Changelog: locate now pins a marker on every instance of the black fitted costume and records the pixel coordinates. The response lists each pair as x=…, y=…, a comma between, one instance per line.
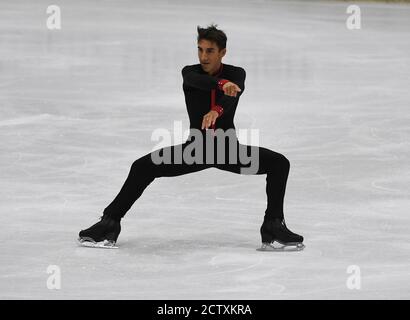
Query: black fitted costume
x=201, y=90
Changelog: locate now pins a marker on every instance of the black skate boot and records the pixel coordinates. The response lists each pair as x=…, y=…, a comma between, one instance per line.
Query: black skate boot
x=103, y=234
x=275, y=230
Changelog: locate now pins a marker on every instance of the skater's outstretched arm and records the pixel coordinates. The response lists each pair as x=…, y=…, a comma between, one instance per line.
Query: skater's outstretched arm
x=231, y=87
x=192, y=78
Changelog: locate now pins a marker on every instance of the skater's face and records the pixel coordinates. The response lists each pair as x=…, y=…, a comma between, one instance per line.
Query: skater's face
x=210, y=56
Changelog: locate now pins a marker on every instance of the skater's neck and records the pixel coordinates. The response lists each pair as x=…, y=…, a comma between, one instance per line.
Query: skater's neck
x=217, y=70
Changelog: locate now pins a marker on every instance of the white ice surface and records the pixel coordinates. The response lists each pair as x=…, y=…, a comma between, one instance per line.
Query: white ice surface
x=78, y=106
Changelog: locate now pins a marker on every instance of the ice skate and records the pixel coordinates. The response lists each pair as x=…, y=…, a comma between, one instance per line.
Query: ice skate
x=103, y=234
x=88, y=242
x=277, y=237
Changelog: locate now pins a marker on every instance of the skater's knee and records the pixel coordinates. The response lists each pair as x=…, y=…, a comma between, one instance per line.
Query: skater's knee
x=285, y=162
x=282, y=162
x=142, y=164
x=136, y=165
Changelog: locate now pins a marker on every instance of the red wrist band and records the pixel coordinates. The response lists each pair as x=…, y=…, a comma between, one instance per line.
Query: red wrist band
x=221, y=83
x=218, y=109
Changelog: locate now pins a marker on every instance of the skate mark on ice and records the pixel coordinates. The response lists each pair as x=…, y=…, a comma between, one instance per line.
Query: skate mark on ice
x=25, y=120
x=237, y=200
x=213, y=263
x=319, y=176
x=375, y=184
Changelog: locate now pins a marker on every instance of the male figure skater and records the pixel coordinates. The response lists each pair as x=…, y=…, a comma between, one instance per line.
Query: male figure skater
x=212, y=90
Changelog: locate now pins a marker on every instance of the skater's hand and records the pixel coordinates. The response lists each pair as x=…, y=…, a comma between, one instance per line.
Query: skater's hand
x=209, y=119
x=231, y=89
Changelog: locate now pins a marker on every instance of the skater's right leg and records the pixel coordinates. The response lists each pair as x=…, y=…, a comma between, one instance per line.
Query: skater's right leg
x=102, y=234
x=143, y=171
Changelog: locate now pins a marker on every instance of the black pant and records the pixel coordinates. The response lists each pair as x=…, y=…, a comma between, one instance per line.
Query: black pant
x=144, y=171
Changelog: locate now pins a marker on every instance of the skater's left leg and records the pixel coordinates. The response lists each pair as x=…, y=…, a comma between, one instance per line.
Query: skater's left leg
x=276, y=166
x=262, y=161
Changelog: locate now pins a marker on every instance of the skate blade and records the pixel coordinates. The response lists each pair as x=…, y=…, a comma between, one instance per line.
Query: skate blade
x=279, y=247
x=90, y=243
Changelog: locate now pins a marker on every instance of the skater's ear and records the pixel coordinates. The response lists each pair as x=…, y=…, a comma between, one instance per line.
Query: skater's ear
x=222, y=53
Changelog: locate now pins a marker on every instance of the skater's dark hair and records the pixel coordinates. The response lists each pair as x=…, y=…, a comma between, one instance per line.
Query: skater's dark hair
x=212, y=34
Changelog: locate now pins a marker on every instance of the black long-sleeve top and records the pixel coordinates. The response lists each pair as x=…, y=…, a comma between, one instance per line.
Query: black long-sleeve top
x=198, y=87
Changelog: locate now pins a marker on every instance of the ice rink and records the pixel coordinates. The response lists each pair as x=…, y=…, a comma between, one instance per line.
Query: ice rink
x=78, y=105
